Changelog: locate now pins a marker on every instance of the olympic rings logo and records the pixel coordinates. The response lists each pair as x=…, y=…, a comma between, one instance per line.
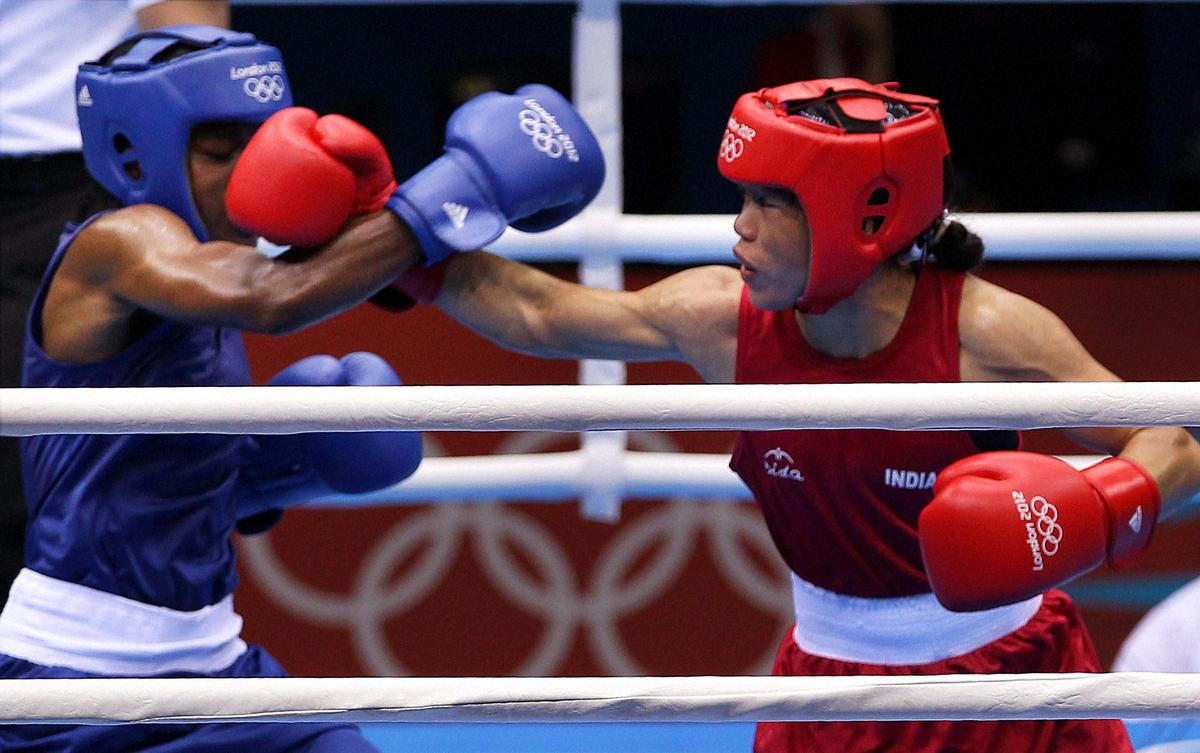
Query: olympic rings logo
x=1047, y=524
x=529, y=568
x=731, y=147
x=542, y=134
x=264, y=88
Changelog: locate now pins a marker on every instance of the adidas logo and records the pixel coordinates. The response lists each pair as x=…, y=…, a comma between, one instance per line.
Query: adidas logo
x=457, y=214
x=85, y=97
x=1135, y=522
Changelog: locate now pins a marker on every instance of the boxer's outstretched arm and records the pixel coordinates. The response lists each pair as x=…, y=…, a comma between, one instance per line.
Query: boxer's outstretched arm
x=1007, y=337
x=1005, y=526
x=690, y=316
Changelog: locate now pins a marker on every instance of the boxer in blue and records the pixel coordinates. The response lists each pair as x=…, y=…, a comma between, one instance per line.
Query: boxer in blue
x=129, y=568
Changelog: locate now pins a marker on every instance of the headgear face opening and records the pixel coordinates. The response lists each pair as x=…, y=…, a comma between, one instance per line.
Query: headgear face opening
x=866, y=161
x=137, y=112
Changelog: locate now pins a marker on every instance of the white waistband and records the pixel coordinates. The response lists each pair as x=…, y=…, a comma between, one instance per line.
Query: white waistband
x=55, y=623
x=905, y=630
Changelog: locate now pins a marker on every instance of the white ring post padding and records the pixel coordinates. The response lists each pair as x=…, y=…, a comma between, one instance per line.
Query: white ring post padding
x=1132, y=695
x=571, y=408
x=596, y=76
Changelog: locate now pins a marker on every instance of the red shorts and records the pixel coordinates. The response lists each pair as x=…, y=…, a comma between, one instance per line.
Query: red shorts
x=1053, y=641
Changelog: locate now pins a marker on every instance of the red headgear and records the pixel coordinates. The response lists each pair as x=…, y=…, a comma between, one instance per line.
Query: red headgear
x=866, y=161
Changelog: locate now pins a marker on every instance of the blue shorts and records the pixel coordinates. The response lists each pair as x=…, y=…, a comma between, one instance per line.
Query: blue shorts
x=276, y=737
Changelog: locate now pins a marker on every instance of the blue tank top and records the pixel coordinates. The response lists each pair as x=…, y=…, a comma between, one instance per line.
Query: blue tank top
x=147, y=517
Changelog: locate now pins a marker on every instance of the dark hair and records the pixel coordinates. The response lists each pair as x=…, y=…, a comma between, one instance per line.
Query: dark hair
x=948, y=244
x=170, y=52
x=952, y=246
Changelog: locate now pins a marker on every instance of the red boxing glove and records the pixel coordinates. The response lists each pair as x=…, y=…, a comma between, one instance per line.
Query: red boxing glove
x=1006, y=526
x=416, y=285
x=362, y=152
x=300, y=177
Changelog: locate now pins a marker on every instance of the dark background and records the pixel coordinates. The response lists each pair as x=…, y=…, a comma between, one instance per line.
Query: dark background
x=1049, y=107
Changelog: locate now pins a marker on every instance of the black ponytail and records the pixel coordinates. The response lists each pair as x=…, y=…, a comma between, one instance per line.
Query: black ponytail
x=954, y=247
x=948, y=244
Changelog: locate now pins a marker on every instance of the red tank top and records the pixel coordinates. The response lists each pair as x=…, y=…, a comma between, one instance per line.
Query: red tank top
x=842, y=505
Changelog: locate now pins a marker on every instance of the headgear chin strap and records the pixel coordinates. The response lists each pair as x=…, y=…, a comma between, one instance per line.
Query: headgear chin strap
x=137, y=112
x=866, y=161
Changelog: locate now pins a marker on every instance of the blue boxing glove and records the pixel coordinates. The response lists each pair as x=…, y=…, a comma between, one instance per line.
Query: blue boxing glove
x=525, y=159
x=283, y=470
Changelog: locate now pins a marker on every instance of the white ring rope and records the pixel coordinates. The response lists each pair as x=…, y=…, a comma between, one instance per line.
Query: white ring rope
x=560, y=476
x=709, y=238
x=572, y=408
x=1127, y=695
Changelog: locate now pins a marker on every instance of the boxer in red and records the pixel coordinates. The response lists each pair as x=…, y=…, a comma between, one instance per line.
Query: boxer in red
x=912, y=553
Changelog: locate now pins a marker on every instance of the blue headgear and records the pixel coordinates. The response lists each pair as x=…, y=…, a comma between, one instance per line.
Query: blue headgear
x=137, y=112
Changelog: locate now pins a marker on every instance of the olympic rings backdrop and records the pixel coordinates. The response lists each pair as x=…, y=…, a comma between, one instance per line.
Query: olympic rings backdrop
x=677, y=586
